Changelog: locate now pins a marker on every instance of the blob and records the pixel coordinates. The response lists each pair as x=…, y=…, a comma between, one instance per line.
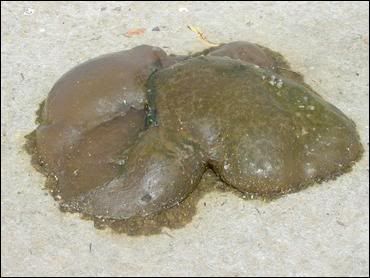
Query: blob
x=130, y=135
x=92, y=113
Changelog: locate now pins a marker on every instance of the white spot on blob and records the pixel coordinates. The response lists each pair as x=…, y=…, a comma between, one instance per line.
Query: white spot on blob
x=311, y=107
x=279, y=84
x=304, y=131
x=272, y=82
x=309, y=170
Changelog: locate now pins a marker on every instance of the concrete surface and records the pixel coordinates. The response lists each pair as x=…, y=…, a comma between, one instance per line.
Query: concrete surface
x=320, y=231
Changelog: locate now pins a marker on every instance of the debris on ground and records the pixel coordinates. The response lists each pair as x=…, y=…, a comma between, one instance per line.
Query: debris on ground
x=202, y=36
x=135, y=32
x=183, y=10
x=28, y=11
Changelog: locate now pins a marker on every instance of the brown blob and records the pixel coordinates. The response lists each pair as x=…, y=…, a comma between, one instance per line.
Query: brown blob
x=93, y=93
x=262, y=133
x=175, y=217
x=255, y=54
x=126, y=138
x=97, y=157
x=102, y=88
x=244, y=51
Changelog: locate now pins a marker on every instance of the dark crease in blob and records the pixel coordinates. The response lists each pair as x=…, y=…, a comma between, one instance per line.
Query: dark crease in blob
x=134, y=139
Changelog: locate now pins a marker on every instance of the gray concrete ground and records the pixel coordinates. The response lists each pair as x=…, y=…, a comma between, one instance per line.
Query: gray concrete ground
x=320, y=231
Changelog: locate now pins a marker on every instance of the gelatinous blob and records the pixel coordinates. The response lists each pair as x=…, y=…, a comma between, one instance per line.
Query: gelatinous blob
x=126, y=138
x=97, y=157
x=245, y=51
x=93, y=93
x=261, y=135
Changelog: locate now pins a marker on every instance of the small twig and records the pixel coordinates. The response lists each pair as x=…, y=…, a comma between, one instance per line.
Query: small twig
x=201, y=36
x=167, y=234
x=257, y=210
x=341, y=223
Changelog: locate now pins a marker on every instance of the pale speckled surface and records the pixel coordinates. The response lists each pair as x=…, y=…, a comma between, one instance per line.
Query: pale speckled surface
x=320, y=231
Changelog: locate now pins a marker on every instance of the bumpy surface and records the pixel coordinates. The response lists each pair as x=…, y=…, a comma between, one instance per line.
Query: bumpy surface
x=237, y=109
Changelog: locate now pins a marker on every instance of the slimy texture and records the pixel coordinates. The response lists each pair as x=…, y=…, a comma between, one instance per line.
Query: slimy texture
x=93, y=113
x=126, y=138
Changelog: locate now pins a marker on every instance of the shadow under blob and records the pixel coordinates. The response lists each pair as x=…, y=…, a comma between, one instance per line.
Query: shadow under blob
x=134, y=139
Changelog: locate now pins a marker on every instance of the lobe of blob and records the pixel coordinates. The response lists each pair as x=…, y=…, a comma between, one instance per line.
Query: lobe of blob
x=246, y=52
